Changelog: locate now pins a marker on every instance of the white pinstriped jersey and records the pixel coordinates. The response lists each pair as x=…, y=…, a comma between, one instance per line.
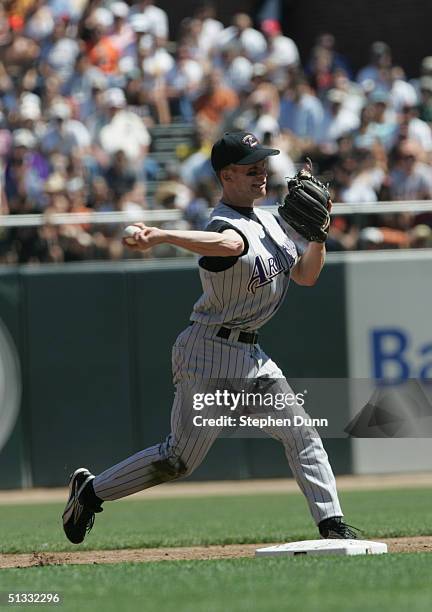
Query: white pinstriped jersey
x=248, y=294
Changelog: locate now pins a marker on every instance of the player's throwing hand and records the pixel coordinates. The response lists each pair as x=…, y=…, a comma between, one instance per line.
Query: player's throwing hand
x=143, y=238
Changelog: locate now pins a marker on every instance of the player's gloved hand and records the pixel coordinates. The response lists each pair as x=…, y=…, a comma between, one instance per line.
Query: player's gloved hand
x=307, y=205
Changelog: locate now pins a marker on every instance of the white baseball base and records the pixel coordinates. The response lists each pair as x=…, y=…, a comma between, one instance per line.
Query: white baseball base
x=323, y=547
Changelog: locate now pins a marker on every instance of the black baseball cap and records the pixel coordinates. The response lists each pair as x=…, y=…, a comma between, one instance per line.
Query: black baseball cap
x=238, y=148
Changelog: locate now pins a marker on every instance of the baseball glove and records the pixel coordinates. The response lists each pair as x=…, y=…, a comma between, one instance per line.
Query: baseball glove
x=306, y=206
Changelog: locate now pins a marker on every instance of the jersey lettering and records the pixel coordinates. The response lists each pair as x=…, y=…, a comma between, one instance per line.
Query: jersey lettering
x=263, y=273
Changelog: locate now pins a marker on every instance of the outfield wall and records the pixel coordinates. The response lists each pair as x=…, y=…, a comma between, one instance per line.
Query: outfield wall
x=94, y=347
x=389, y=306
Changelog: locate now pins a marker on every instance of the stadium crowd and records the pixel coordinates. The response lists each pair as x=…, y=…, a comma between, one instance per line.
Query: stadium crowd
x=87, y=85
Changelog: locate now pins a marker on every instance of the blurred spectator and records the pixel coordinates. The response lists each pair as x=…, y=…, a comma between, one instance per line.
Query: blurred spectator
x=425, y=71
x=352, y=187
x=122, y=35
x=120, y=176
x=281, y=50
x=425, y=106
x=156, y=61
x=62, y=49
x=21, y=54
x=183, y=81
x=103, y=52
x=197, y=210
x=383, y=125
x=320, y=70
x=196, y=168
x=242, y=35
x=380, y=59
x=63, y=133
x=337, y=121
x=29, y=111
x=401, y=93
x=83, y=86
x=100, y=198
x=137, y=98
x=410, y=179
x=301, y=112
x=327, y=44
x=259, y=121
x=135, y=200
x=215, y=100
x=354, y=95
x=56, y=198
x=283, y=166
x=364, y=178
x=124, y=130
x=211, y=28
x=416, y=129
x=190, y=35
x=238, y=69
x=155, y=18
x=25, y=173
x=40, y=21
x=364, y=138
x=264, y=90
x=173, y=193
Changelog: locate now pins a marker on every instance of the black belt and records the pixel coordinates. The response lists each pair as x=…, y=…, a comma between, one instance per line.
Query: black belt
x=225, y=332
x=247, y=337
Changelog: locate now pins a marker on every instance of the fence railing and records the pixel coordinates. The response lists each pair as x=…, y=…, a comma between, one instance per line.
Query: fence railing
x=158, y=216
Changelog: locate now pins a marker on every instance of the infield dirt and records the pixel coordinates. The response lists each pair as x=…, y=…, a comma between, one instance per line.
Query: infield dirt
x=187, y=553
x=187, y=489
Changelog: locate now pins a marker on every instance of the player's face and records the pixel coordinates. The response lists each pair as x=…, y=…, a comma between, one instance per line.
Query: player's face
x=252, y=178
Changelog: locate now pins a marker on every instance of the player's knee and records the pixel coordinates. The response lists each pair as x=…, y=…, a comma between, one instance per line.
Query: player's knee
x=170, y=468
x=189, y=468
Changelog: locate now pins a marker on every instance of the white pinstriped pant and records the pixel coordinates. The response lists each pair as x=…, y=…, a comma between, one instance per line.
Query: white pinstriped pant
x=199, y=356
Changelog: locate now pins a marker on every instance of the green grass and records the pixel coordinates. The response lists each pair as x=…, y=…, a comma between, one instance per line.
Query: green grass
x=347, y=584
x=326, y=584
x=214, y=520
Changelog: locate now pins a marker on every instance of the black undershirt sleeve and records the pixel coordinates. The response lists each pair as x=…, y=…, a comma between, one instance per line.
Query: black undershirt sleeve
x=219, y=264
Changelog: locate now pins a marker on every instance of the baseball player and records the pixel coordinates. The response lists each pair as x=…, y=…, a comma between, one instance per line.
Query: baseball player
x=247, y=261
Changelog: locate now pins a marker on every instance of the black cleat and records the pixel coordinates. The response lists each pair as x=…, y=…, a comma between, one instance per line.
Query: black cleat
x=78, y=517
x=335, y=529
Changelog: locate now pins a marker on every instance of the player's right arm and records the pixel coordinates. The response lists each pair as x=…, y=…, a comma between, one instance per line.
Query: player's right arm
x=228, y=243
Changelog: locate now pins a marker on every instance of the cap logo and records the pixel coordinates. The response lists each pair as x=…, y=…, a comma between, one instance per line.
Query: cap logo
x=250, y=140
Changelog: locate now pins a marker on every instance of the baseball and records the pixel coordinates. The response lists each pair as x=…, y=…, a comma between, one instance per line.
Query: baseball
x=129, y=232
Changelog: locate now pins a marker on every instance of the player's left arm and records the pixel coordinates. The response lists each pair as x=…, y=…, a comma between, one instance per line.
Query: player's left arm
x=309, y=266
